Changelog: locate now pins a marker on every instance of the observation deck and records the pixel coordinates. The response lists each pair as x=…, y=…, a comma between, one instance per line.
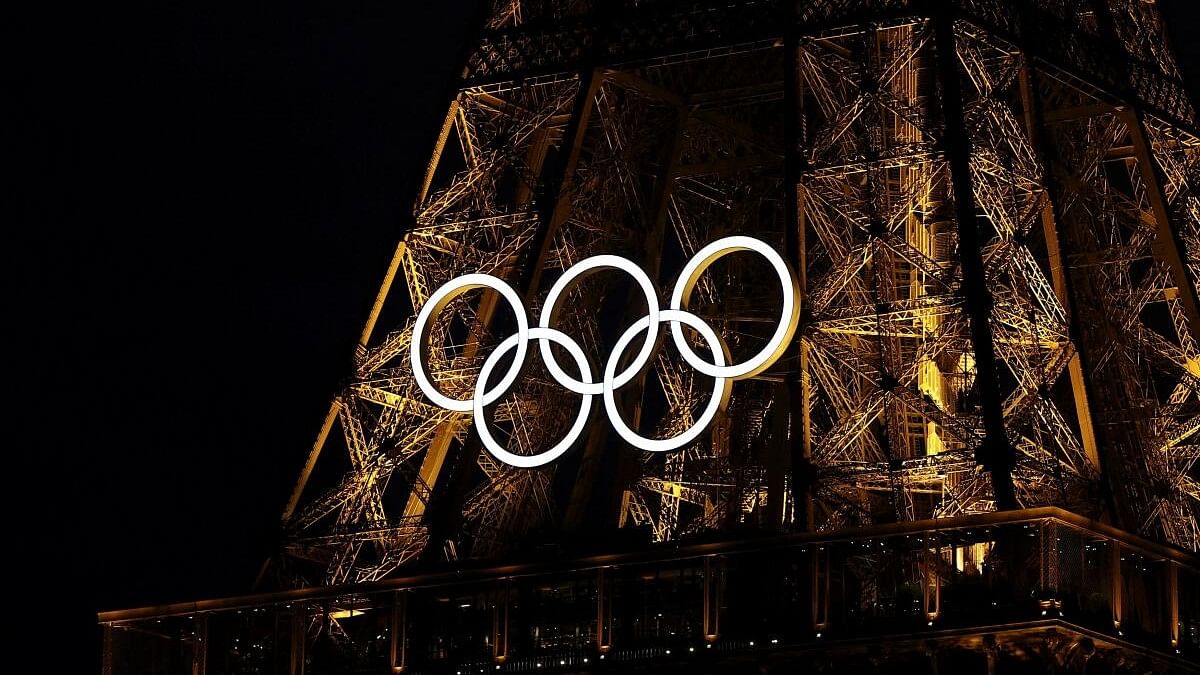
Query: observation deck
x=1034, y=589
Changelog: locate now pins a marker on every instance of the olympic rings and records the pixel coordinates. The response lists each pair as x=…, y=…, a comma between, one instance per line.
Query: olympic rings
x=723, y=375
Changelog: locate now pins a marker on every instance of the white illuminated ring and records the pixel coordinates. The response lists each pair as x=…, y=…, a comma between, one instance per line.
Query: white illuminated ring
x=788, y=320
x=419, y=349
x=481, y=425
x=577, y=271
x=723, y=375
x=718, y=400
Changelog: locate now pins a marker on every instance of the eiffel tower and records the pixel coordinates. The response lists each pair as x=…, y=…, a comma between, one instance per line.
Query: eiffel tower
x=992, y=212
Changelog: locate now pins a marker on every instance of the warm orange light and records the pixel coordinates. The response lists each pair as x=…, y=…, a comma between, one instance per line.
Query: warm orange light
x=340, y=614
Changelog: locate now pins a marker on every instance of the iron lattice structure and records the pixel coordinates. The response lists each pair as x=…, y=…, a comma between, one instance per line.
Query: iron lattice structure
x=993, y=208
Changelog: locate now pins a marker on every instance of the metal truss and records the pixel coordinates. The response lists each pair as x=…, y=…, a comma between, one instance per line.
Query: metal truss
x=997, y=237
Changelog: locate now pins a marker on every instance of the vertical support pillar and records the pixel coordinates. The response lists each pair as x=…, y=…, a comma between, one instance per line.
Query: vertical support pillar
x=996, y=455
x=1114, y=563
x=500, y=623
x=712, y=599
x=1102, y=455
x=931, y=582
x=298, y=642
x=1048, y=555
x=657, y=215
x=779, y=460
x=1058, y=265
x=799, y=438
x=398, y=658
x=820, y=588
x=1173, y=623
x=559, y=204
x=603, y=611
x=200, y=644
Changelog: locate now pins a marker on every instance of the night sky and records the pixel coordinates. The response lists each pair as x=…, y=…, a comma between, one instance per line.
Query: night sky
x=209, y=194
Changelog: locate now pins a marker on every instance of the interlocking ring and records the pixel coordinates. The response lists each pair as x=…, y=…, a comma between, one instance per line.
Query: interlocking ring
x=723, y=375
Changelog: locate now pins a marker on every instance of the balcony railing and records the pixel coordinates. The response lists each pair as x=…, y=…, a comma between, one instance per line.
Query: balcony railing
x=1023, y=570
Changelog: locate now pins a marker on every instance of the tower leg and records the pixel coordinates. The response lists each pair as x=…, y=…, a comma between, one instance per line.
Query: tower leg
x=996, y=455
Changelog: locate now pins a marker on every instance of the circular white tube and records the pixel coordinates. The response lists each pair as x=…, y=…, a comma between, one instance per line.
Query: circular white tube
x=718, y=400
x=419, y=348
x=570, y=277
x=481, y=424
x=789, y=316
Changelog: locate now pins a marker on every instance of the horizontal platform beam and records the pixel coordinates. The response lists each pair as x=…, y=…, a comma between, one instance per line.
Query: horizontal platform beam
x=463, y=572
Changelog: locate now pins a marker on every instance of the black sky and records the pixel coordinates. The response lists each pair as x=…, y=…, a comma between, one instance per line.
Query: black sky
x=208, y=196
